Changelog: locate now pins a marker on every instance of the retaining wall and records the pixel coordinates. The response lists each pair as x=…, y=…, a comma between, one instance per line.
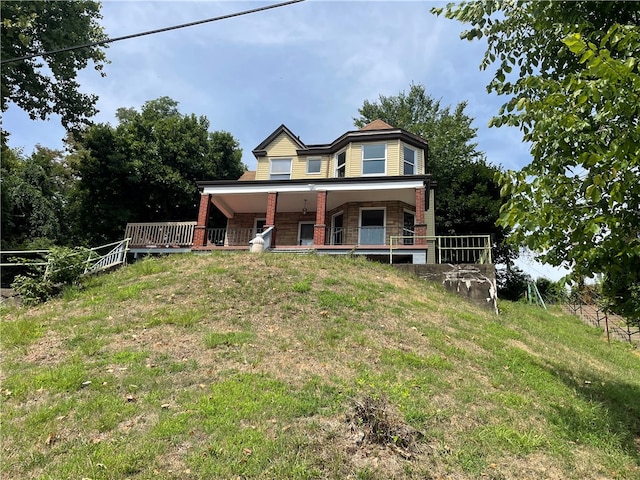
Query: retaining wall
x=473, y=282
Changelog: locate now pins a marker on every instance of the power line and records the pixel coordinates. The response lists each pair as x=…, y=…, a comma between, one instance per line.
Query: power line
x=150, y=32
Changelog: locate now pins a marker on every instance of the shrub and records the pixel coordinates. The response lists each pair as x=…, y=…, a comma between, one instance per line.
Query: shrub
x=33, y=290
x=65, y=266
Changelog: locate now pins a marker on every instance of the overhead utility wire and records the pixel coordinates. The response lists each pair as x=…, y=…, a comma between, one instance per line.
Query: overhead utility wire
x=150, y=32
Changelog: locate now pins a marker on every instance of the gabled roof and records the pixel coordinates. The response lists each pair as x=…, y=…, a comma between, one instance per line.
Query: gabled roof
x=248, y=175
x=377, y=124
x=376, y=131
x=260, y=151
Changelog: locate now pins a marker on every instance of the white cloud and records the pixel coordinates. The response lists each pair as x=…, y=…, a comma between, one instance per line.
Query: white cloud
x=308, y=65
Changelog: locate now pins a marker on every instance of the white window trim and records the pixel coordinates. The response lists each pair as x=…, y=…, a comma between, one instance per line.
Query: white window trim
x=319, y=169
x=271, y=160
x=384, y=222
x=415, y=160
x=373, y=159
x=335, y=170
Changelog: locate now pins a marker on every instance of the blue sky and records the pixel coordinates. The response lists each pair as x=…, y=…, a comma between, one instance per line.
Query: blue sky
x=308, y=65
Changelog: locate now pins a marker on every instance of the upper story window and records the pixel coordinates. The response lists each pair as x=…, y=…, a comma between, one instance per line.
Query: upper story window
x=314, y=164
x=341, y=164
x=280, y=169
x=374, y=159
x=409, y=167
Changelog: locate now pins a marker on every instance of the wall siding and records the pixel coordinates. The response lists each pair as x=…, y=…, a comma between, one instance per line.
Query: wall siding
x=299, y=168
x=430, y=216
x=283, y=146
x=262, y=169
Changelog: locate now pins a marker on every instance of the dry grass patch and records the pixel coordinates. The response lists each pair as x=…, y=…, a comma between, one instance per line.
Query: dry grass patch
x=227, y=365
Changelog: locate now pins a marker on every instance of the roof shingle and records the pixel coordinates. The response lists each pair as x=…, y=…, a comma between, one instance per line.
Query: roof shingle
x=377, y=125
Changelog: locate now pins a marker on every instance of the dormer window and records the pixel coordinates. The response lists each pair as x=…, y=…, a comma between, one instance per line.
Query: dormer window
x=341, y=165
x=374, y=159
x=280, y=169
x=409, y=164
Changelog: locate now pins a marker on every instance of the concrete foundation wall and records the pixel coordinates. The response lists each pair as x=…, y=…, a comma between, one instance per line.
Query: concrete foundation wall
x=474, y=282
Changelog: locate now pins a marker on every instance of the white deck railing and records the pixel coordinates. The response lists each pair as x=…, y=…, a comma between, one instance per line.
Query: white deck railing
x=160, y=234
x=94, y=259
x=450, y=249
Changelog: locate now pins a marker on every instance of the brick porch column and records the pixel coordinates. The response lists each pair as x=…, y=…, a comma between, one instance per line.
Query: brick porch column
x=320, y=227
x=272, y=205
x=200, y=231
x=421, y=225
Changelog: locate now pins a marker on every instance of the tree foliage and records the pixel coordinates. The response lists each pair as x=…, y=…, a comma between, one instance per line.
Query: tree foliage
x=512, y=283
x=145, y=168
x=45, y=85
x=65, y=266
x=570, y=72
x=467, y=196
x=35, y=198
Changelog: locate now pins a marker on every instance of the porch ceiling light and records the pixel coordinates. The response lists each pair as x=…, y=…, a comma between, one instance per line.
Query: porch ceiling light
x=304, y=209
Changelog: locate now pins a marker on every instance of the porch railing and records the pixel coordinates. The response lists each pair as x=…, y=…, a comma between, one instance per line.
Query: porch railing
x=107, y=256
x=94, y=259
x=367, y=235
x=463, y=249
x=159, y=234
x=450, y=249
x=231, y=236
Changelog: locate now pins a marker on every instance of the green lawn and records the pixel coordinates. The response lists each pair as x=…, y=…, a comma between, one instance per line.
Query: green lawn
x=276, y=366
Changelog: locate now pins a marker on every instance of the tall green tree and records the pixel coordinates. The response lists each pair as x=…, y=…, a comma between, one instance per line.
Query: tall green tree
x=570, y=73
x=145, y=168
x=45, y=85
x=35, y=198
x=467, y=196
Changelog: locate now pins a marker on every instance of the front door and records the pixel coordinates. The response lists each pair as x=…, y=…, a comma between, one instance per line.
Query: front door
x=305, y=233
x=337, y=229
x=259, y=226
x=408, y=227
x=372, y=226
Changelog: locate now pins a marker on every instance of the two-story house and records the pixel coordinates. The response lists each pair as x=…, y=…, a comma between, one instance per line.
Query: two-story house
x=359, y=194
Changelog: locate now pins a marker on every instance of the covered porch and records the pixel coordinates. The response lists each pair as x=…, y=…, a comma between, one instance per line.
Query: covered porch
x=329, y=215
x=389, y=218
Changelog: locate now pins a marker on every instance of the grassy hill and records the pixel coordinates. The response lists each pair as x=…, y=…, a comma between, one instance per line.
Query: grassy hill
x=277, y=366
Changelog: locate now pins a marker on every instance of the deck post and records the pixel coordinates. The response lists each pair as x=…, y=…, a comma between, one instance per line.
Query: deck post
x=320, y=226
x=200, y=230
x=272, y=206
x=420, y=229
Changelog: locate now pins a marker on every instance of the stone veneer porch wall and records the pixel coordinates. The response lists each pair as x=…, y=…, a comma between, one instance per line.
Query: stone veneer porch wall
x=287, y=222
x=351, y=211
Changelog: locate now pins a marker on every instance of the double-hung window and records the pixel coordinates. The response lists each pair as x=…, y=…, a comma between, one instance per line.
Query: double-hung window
x=280, y=169
x=409, y=167
x=314, y=164
x=374, y=159
x=341, y=165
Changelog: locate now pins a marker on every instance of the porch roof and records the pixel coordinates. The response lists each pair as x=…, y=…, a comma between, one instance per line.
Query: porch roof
x=320, y=184
x=251, y=196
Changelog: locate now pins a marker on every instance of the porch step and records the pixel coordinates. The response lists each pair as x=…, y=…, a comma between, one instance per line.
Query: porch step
x=298, y=251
